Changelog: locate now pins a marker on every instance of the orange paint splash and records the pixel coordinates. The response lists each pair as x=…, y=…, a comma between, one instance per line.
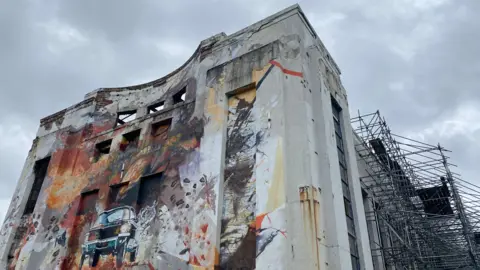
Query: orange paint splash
x=135, y=171
x=259, y=220
x=63, y=191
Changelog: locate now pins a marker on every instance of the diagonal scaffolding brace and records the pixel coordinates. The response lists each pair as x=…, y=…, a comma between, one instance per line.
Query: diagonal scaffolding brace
x=424, y=216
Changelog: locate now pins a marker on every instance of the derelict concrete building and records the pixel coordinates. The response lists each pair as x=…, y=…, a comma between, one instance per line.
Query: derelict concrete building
x=242, y=158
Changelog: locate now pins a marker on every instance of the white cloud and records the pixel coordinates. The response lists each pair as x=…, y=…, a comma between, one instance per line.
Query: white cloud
x=16, y=138
x=173, y=49
x=63, y=37
x=463, y=122
x=325, y=25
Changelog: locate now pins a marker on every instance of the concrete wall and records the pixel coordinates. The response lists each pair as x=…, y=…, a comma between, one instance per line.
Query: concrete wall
x=244, y=174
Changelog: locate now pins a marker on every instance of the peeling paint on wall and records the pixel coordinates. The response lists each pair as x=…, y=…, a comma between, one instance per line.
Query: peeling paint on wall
x=199, y=184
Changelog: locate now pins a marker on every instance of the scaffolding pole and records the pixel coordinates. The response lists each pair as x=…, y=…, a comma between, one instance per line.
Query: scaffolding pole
x=461, y=212
x=426, y=216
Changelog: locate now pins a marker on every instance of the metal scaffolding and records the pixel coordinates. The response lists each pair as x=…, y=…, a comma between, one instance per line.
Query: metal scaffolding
x=420, y=215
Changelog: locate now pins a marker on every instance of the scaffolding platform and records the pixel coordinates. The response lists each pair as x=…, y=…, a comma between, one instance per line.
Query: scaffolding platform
x=425, y=215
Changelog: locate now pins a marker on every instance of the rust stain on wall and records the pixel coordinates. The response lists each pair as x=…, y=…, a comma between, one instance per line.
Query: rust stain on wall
x=309, y=201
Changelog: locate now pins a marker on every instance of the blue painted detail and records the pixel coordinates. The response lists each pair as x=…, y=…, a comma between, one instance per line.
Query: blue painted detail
x=263, y=77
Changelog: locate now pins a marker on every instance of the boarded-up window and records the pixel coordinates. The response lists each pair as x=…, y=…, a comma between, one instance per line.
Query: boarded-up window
x=115, y=194
x=130, y=139
x=88, y=202
x=160, y=129
x=150, y=188
x=40, y=171
x=102, y=148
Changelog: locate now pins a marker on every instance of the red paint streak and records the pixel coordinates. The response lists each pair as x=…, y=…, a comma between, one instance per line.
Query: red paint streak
x=150, y=266
x=195, y=261
x=202, y=257
x=204, y=228
x=186, y=230
x=286, y=71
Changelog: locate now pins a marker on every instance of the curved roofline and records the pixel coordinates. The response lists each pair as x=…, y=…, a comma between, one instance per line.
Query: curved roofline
x=207, y=44
x=160, y=80
x=204, y=45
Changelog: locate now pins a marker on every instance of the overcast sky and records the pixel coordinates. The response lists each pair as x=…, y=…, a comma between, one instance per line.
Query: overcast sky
x=417, y=61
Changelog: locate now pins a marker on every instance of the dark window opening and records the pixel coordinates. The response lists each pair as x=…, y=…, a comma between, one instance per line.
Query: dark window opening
x=364, y=193
x=355, y=262
x=337, y=125
x=102, y=148
x=125, y=117
x=346, y=190
x=114, y=196
x=156, y=107
x=336, y=109
x=180, y=96
x=339, y=140
x=477, y=237
x=353, y=244
x=348, y=208
x=436, y=200
x=40, y=170
x=161, y=128
x=149, y=189
x=88, y=201
x=341, y=158
x=350, y=225
x=130, y=138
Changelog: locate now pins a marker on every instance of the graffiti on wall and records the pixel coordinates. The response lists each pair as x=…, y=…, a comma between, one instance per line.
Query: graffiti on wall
x=146, y=195
x=238, y=242
x=143, y=199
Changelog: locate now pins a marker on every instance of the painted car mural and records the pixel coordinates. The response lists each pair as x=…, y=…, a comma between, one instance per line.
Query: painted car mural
x=112, y=233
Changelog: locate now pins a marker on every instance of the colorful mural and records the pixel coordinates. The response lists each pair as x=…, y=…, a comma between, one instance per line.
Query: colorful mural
x=102, y=206
x=157, y=193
